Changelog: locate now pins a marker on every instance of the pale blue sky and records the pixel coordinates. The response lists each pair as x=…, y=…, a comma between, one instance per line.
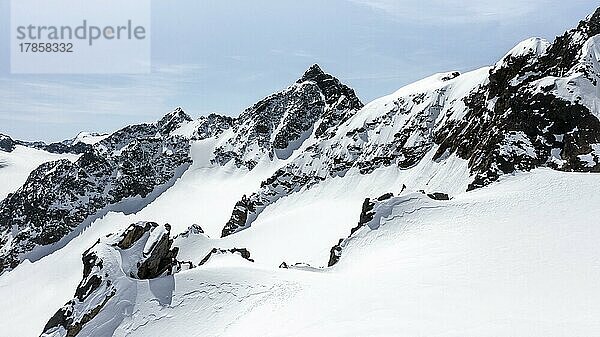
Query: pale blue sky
x=223, y=55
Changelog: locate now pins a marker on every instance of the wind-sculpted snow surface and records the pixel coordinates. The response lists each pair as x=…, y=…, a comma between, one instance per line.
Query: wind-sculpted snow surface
x=514, y=258
x=114, y=270
x=412, y=260
x=538, y=106
x=376, y=212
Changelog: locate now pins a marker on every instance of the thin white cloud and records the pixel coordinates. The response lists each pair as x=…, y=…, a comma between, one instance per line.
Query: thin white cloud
x=463, y=11
x=66, y=100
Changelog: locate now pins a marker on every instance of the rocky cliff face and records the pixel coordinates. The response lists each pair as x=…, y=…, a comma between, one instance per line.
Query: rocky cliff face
x=538, y=109
x=58, y=197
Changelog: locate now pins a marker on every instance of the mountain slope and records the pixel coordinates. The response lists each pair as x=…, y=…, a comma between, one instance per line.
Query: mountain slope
x=16, y=165
x=461, y=267
x=60, y=197
x=279, y=124
x=507, y=259
x=475, y=224
x=514, y=116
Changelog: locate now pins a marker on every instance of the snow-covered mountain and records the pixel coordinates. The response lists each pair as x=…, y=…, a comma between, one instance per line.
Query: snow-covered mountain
x=460, y=205
x=59, y=198
x=77, y=145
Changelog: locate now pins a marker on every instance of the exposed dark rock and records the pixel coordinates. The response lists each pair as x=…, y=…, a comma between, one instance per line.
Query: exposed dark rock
x=99, y=277
x=89, y=282
x=366, y=214
x=213, y=125
x=62, y=147
x=239, y=216
x=64, y=318
x=439, y=196
x=73, y=146
x=92, y=281
x=525, y=122
x=335, y=253
x=6, y=143
x=192, y=230
x=134, y=233
x=336, y=94
x=385, y=196
x=451, y=76
x=243, y=252
x=160, y=259
x=173, y=120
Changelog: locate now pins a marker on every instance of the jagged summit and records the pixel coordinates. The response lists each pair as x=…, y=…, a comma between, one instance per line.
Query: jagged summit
x=537, y=107
x=173, y=120
x=592, y=23
x=312, y=73
x=177, y=113
x=331, y=87
x=279, y=124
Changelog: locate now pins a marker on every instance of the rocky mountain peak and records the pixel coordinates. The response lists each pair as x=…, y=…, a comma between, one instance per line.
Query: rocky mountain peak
x=279, y=124
x=313, y=73
x=592, y=23
x=534, y=46
x=58, y=197
x=6, y=143
x=173, y=120
x=331, y=87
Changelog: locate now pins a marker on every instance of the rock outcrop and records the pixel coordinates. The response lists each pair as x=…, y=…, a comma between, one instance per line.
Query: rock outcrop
x=110, y=270
x=243, y=252
x=6, y=143
x=374, y=212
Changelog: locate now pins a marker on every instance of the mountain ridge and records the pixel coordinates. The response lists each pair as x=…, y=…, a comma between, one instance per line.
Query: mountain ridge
x=440, y=149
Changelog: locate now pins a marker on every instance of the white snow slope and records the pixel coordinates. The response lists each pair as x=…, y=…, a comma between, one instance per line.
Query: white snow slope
x=517, y=258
